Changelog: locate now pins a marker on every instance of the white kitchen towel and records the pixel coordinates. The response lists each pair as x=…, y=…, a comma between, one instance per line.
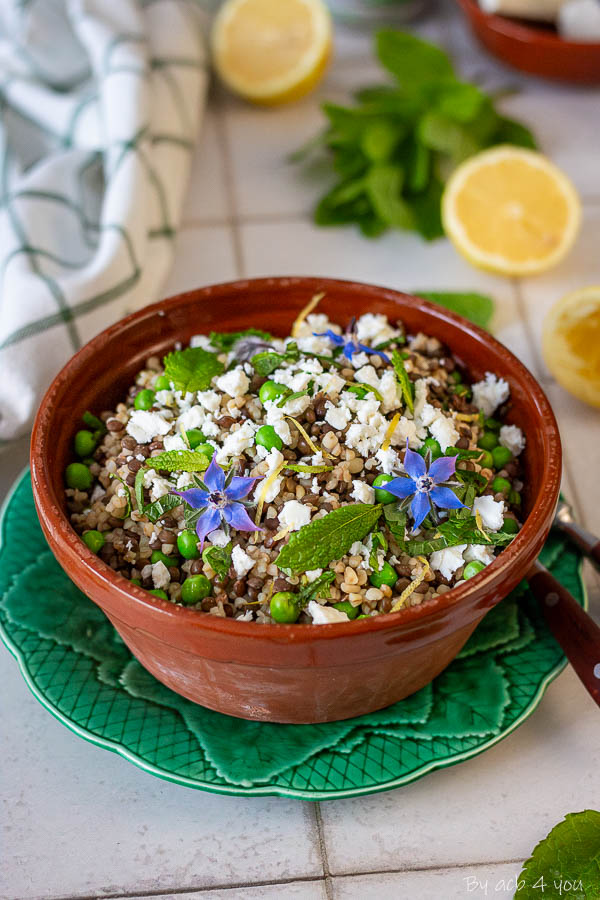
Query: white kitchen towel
x=100, y=104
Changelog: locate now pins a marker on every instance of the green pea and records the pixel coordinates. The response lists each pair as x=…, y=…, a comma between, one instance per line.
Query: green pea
x=135, y=581
x=515, y=498
x=78, y=476
x=383, y=496
x=501, y=456
x=486, y=460
x=144, y=399
x=510, y=526
x=284, y=607
x=158, y=593
x=159, y=556
x=387, y=575
x=488, y=440
x=452, y=451
x=472, y=568
x=267, y=437
x=363, y=616
x=493, y=424
x=432, y=445
x=270, y=390
x=462, y=390
x=85, y=443
x=501, y=484
x=162, y=383
x=94, y=540
x=345, y=606
x=88, y=461
x=206, y=449
x=456, y=377
x=187, y=544
x=195, y=438
x=195, y=588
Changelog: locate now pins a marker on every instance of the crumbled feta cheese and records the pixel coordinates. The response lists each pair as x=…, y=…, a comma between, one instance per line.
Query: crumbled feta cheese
x=359, y=360
x=273, y=460
x=324, y=615
x=174, y=442
x=362, y=492
x=388, y=460
x=312, y=344
x=443, y=430
x=144, y=425
x=276, y=418
x=160, y=575
x=481, y=552
x=210, y=427
x=491, y=511
x=329, y=383
x=297, y=406
x=201, y=340
x=242, y=563
x=164, y=397
x=184, y=480
x=447, y=561
x=248, y=616
x=315, y=487
x=237, y=441
x=512, y=438
x=406, y=429
x=317, y=322
x=193, y=417
x=375, y=328
x=489, y=393
x=219, y=538
x=97, y=493
x=367, y=375
x=364, y=550
x=235, y=382
x=159, y=486
x=388, y=388
x=337, y=416
x=421, y=391
x=294, y=515
x=313, y=574
x=209, y=400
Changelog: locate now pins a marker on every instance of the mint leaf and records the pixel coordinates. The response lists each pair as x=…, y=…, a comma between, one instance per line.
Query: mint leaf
x=192, y=369
x=179, y=461
x=566, y=863
x=139, y=488
x=384, y=189
x=415, y=63
x=395, y=519
x=266, y=362
x=329, y=538
x=219, y=558
x=224, y=340
x=315, y=589
x=477, y=308
x=378, y=542
x=161, y=506
x=403, y=380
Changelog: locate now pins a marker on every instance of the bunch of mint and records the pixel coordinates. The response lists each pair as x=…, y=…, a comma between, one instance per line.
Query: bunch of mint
x=395, y=148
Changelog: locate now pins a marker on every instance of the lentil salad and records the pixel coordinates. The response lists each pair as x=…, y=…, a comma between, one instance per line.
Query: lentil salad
x=322, y=477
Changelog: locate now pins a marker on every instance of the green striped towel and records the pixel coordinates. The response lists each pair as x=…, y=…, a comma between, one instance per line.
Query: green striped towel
x=100, y=103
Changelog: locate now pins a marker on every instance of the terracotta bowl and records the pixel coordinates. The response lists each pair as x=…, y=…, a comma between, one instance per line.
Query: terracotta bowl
x=285, y=673
x=534, y=48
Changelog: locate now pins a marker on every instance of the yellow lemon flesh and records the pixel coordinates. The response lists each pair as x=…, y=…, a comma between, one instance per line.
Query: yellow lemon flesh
x=571, y=343
x=511, y=211
x=271, y=51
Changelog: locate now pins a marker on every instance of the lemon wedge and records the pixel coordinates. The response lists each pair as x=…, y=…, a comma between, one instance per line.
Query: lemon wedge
x=511, y=211
x=271, y=51
x=571, y=343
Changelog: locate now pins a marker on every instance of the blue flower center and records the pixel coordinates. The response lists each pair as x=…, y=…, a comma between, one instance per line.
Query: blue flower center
x=216, y=498
x=424, y=484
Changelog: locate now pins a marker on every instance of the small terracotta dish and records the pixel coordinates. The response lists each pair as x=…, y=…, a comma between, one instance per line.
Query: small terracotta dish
x=534, y=48
x=286, y=673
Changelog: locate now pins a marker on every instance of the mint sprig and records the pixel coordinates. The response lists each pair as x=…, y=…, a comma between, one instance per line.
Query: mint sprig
x=192, y=369
x=315, y=545
x=566, y=863
x=179, y=461
x=404, y=381
x=219, y=558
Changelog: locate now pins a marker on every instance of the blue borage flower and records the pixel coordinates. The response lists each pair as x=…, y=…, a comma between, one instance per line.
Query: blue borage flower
x=349, y=342
x=219, y=499
x=427, y=485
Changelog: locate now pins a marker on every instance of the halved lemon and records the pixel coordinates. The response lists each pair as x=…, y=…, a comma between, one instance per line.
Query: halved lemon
x=571, y=343
x=271, y=51
x=511, y=210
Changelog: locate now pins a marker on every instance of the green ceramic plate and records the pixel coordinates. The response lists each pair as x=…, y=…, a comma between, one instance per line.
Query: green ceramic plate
x=77, y=666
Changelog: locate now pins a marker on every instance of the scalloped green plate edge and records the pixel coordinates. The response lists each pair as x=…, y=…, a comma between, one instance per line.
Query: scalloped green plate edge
x=266, y=790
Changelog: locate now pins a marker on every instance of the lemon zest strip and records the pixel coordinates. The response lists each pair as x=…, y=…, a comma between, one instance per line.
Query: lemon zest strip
x=466, y=417
x=411, y=588
x=479, y=521
x=281, y=534
x=389, y=432
x=305, y=312
x=184, y=436
x=314, y=447
x=263, y=493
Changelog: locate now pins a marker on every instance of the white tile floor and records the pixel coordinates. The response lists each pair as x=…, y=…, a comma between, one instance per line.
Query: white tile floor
x=77, y=822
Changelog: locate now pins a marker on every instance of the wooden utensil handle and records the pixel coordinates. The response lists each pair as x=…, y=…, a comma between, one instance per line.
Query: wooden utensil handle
x=587, y=542
x=573, y=628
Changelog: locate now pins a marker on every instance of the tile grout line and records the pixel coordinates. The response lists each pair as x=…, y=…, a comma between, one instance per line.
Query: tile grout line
x=323, y=851
x=232, y=219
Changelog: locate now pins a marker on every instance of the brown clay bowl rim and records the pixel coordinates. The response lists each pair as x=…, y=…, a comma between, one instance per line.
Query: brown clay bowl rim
x=522, y=31
x=50, y=510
